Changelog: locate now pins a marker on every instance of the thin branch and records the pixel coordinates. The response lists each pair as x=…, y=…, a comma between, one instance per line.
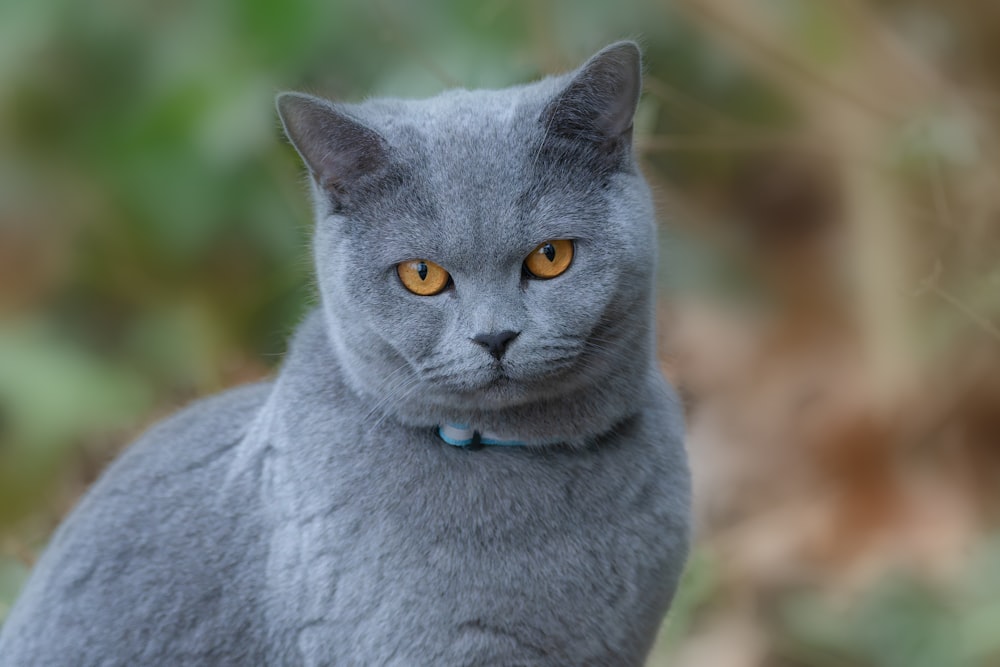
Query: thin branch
x=711, y=142
x=966, y=310
x=690, y=104
x=931, y=284
x=780, y=60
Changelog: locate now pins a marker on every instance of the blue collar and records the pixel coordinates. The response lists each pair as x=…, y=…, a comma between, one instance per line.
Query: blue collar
x=461, y=435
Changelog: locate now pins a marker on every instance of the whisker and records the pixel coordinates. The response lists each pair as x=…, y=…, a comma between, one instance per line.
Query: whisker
x=400, y=392
x=398, y=374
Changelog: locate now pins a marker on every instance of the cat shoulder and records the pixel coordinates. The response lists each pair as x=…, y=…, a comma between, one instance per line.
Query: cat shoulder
x=146, y=539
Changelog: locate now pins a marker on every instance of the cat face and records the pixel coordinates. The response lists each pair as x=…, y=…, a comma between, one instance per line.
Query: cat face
x=483, y=249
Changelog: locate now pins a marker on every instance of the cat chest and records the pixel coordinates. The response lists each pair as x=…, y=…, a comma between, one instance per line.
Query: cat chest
x=523, y=562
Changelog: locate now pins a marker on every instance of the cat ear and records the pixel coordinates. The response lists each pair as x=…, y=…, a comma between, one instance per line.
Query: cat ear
x=599, y=102
x=338, y=150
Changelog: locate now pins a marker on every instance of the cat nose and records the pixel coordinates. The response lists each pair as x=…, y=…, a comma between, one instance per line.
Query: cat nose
x=496, y=343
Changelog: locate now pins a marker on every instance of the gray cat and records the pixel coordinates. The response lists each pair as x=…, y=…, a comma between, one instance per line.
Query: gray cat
x=469, y=456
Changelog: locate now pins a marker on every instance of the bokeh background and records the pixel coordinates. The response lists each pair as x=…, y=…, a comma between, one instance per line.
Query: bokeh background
x=827, y=182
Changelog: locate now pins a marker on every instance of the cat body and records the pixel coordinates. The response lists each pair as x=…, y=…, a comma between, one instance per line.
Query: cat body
x=321, y=518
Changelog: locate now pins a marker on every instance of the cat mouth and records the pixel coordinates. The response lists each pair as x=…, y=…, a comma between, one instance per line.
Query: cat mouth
x=498, y=377
x=519, y=380
x=507, y=388
x=497, y=383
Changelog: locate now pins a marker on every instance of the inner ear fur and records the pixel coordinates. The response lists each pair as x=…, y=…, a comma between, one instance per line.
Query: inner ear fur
x=599, y=102
x=338, y=150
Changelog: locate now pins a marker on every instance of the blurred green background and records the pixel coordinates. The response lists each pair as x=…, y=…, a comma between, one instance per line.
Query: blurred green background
x=154, y=248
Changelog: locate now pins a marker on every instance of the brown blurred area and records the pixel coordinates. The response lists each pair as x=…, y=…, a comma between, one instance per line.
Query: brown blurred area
x=828, y=178
x=845, y=430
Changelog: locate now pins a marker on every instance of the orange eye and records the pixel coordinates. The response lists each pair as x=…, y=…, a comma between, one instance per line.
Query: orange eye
x=550, y=259
x=422, y=277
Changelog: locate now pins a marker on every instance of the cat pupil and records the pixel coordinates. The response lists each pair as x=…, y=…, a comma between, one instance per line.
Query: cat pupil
x=549, y=251
x=422, y=271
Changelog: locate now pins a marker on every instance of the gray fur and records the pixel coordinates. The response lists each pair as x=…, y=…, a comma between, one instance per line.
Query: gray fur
x=318, y=519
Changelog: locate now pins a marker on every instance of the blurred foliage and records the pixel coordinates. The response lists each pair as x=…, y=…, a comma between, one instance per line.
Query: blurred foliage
x=697, y=588
x=12, y=577
x=903, y=622
x=54, y=394
x=154, y=248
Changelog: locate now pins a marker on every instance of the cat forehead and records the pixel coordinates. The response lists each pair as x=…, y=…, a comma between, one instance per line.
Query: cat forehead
x=473, y=154
x=482, y=107
x=460, y=125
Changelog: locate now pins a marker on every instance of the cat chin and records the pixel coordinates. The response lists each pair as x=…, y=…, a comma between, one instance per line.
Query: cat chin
x=499, y=388
x=498, y=393
x=501, y=395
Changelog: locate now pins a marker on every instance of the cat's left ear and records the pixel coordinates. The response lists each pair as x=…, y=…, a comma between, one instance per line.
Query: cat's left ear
x=341, y=153
x=599, y=102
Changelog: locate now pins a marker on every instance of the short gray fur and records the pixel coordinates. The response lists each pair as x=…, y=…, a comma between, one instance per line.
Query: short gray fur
x=318, y=519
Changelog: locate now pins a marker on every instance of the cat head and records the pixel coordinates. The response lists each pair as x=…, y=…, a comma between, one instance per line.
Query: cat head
x=487, y=256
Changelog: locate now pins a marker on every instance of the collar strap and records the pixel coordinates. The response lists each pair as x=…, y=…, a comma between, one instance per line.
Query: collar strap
x=461, y=435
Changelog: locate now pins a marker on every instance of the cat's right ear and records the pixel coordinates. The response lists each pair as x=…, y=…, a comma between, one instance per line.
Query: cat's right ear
x=599, y=102
x=338, y=150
